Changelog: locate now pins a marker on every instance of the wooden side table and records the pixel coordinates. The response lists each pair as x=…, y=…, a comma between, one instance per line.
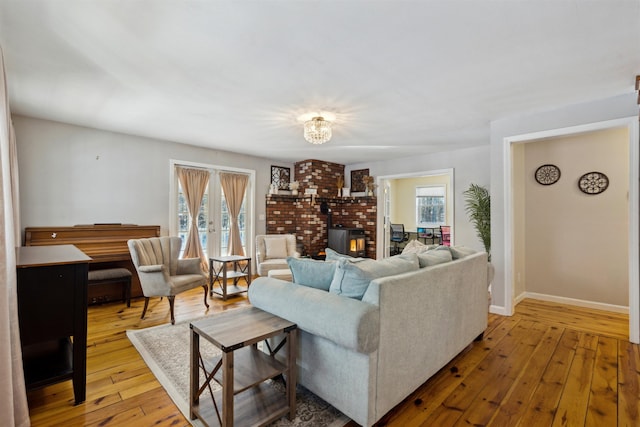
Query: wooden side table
x=221, y=275
x=241, y=369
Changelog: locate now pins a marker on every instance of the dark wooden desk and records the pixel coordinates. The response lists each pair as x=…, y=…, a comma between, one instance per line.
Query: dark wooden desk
x=52, y=312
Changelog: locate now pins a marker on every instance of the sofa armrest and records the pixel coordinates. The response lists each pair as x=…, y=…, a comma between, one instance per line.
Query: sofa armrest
x=344, y=321
x=189, y=266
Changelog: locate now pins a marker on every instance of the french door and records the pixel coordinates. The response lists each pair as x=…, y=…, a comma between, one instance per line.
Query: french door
x=213, y=217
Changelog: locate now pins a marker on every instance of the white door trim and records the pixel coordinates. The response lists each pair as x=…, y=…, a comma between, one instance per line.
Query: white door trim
x=381, y=180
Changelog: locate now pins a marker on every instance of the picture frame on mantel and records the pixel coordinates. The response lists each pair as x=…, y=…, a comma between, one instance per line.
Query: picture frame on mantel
x=281, y=177
x=357, y=184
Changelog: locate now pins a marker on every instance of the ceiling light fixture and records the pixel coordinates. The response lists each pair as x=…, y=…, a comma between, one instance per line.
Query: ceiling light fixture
x=317, y=130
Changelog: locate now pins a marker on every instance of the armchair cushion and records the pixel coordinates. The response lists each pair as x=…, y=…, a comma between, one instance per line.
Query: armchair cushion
x=189, y=266
x=275, y=248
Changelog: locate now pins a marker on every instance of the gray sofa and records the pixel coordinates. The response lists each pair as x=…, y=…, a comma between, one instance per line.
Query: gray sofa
x=365, y=356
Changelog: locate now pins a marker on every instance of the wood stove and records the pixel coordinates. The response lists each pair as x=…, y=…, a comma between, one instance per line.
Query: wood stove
x=347, y=241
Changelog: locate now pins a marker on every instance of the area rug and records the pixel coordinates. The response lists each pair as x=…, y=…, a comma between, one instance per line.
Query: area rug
x=165, y=349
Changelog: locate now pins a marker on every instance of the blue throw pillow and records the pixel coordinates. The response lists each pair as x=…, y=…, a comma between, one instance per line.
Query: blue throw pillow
x=332, y=255
x=312, y=273
x=352, y=279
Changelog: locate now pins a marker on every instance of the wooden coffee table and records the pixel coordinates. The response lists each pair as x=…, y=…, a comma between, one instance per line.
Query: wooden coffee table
x=241, y=369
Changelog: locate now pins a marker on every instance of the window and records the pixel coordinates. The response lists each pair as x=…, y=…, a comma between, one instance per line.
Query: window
x=430, y=206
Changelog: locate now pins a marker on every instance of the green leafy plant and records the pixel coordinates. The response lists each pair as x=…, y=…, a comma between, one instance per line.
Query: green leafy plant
x=478, y=208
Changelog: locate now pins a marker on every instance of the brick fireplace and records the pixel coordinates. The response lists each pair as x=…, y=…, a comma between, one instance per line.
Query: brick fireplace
x=302, y=215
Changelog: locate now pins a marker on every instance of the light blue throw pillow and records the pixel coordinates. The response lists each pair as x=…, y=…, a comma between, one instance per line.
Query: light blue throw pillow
x=352, y=279
x=312, y=273
x=332, y=255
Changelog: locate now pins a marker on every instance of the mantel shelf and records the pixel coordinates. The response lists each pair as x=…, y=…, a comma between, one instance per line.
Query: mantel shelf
x=307, y=197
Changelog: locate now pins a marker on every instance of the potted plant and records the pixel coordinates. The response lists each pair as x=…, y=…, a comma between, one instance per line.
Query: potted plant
x=478, y=208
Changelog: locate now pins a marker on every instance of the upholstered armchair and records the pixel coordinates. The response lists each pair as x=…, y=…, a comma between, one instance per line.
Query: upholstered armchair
x=160, y=271
x=272, y=251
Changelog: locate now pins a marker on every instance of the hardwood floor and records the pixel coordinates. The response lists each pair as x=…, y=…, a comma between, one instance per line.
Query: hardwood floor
x=548, y=365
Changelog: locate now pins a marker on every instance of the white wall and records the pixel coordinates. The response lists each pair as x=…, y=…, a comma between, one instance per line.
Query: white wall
x=576, y=245
x=618, y=107
x=74, y=175
x=470, y=166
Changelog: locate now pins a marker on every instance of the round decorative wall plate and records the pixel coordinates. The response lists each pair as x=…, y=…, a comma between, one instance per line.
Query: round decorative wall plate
x=547, y=174
x=593, y=182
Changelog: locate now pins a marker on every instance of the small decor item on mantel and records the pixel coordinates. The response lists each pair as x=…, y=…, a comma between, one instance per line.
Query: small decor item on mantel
x=593, y=183
x=294, y=185
x=340, y=184
x=273, y=188
x=346, y=192
x=368, y=184
x=547, y=174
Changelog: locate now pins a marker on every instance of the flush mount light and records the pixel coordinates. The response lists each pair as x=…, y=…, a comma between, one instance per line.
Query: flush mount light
x=317, y=130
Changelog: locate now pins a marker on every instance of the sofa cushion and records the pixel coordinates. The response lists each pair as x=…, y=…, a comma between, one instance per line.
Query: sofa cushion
x=433, y=257
x=352, y=279
x=275, y=248
x=458, y=252
x=312, y=273
x=416, y=247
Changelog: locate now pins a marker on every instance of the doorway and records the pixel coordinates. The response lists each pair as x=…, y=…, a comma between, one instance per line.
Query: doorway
x=513, y=266
x=398, y=203
x=213, y=218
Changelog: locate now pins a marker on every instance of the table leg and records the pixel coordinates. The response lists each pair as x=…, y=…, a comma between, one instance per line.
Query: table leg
x=211, y=277
x=291, y=372
x=194, y=371
x=227, y=389
x=224, y=281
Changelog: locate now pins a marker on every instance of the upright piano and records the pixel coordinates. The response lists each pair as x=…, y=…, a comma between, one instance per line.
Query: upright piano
x=106, y=244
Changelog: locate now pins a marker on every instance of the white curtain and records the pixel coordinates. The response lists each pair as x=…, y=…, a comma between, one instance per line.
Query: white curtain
x=13, y=404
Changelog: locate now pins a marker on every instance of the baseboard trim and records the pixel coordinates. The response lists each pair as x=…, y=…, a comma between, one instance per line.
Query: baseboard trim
x=498, y=309
x=573, y=301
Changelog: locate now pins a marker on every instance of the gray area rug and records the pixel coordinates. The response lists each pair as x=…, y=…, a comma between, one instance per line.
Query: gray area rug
x=165, y=349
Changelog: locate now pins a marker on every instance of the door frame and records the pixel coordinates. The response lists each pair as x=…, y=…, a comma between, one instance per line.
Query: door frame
x=382, y=227
x=214, y=202
x=631, y=123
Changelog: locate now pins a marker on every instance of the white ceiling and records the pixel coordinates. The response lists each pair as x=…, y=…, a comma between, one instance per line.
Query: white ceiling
x=401, y=77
